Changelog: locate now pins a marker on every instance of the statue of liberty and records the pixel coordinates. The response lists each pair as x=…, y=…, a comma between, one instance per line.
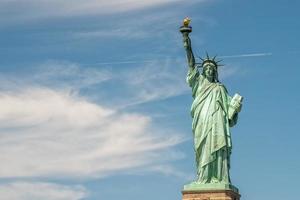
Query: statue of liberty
x=213, y=112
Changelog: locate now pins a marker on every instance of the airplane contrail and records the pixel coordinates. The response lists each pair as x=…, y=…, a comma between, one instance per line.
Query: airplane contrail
x=155, y=60
x=247, y=55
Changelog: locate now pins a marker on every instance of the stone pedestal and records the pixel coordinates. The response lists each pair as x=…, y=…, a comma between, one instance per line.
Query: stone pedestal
x=210, y=191
x=210, y=195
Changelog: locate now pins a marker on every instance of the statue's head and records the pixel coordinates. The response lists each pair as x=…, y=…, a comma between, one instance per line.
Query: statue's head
x=210, y=71
x=210, y=68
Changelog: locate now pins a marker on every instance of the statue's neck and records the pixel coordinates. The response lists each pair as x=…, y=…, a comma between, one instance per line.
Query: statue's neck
x=210, y=79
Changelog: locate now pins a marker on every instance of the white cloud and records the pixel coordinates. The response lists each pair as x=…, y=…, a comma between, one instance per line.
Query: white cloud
x=40, y=9
x=49, y=133
x=40, y=191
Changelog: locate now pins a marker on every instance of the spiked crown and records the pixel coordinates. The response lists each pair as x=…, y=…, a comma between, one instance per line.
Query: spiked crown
x=209, y=60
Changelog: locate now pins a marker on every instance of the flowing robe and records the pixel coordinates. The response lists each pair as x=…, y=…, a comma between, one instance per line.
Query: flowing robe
x=212, y=139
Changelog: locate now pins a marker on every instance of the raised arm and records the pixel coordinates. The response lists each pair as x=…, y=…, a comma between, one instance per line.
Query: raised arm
x=193, y=75
x=188, y=48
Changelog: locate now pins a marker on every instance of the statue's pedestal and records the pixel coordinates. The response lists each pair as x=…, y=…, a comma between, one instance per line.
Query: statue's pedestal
x=210, y=195
x=196, y=191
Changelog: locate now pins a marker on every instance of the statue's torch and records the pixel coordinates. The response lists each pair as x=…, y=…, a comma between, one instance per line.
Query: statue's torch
x=186, y=28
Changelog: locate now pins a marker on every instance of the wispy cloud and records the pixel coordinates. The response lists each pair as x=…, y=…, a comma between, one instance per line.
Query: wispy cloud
x=144, y=81
x=161, y=23
x=62, y=75
x=57, y=134
x=68, y=74
x=45, y=9
x=155, y=81
x=41, y=190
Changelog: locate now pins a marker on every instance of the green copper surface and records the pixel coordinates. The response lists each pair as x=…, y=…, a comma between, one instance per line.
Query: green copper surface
x=213, y=112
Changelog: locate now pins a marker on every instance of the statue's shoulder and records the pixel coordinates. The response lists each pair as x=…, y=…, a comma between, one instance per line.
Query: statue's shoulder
x=221, y=85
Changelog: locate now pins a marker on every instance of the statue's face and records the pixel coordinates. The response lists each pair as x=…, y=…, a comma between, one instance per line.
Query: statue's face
x=209, y=71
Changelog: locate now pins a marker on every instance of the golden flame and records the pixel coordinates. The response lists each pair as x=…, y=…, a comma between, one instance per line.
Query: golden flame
x=186, y=21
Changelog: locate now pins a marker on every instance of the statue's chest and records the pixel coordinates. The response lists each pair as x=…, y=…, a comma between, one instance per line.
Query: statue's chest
x=209, y=89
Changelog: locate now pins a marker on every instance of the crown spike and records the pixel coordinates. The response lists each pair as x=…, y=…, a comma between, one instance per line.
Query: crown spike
x=199, y=58
x=207, y=56
x=214, y=58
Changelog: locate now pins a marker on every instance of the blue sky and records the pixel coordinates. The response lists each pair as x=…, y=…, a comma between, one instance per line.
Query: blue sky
x=94, y=104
